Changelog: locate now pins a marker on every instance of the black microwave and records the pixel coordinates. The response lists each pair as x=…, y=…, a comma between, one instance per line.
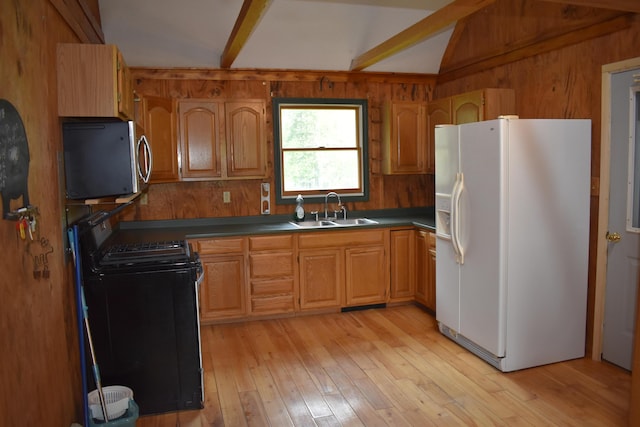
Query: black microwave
x=103, y=159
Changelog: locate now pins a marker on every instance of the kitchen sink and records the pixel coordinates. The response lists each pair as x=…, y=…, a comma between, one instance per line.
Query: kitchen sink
x=314, y=224
x=325, y=223
x=355, y=221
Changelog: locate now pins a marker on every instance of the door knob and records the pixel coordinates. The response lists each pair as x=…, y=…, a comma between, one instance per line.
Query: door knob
x=613, y=237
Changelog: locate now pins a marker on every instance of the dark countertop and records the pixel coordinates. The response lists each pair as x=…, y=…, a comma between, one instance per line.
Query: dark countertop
x=138, y=231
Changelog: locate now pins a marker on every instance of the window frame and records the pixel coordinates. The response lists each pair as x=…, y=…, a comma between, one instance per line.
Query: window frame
x=361, y=106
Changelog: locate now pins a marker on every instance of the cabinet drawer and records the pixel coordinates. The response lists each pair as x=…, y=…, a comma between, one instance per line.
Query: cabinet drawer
x=275, y=304
x=220, y=246
x=271, y=264
x=432, y=240
x=271, y=287
x=266, y=243
x=324, y=239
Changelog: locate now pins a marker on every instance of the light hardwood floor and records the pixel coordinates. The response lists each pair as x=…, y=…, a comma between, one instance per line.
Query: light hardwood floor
x=385, y=367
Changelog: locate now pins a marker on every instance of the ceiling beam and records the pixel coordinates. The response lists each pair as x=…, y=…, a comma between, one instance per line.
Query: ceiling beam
x=422, y=30
x=623, y=5
x=279, y=75
x=250, y=14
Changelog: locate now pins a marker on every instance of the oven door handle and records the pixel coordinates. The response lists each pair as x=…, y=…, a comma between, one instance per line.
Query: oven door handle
x=200, y=272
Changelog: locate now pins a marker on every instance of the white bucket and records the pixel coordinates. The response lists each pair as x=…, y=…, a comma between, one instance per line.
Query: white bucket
x=116, y=398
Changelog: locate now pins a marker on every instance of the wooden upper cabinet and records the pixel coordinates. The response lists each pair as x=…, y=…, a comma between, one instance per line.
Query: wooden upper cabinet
x=245, y=139
x=404, y=138
x=199, y=123
x=222, y=140
x=485, y=104
x=126, y=94
x=438, y=113
x=93, y=81
x=158, y=121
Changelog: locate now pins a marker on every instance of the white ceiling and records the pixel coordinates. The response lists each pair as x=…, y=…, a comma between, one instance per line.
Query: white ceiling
x=293, y=34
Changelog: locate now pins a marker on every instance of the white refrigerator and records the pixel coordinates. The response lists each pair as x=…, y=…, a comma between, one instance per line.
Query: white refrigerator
x=512, y=238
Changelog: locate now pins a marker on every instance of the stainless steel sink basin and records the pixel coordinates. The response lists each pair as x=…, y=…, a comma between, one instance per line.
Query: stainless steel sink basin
x=350, y=222
x=355, y=221
x=314, y=224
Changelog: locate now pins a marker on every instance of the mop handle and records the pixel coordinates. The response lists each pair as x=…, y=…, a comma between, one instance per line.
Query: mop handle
x=96, y=371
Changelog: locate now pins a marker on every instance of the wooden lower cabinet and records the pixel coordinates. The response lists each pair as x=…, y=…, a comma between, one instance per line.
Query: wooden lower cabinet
x=223, y=293
x=367, y=275
x=403, y=265
x=343, y=268
x=321, y=278
x=431, y=268
x=280, y=274
x=272, y=275
x=426, y=269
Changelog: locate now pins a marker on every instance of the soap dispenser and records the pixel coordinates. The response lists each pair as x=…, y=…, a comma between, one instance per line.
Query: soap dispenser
x=298, y=214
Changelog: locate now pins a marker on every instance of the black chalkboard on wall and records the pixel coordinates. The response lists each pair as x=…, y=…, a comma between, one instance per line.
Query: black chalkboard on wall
x=14, y=157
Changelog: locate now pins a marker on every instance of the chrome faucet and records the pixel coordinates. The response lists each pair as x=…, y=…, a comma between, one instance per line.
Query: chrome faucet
x=326, y=198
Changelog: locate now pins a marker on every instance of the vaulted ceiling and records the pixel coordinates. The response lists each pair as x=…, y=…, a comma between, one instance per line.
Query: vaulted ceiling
x=401, y=36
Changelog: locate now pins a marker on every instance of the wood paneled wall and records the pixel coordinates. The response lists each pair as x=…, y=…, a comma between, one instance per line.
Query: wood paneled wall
x=204, y=199
x=39, y=368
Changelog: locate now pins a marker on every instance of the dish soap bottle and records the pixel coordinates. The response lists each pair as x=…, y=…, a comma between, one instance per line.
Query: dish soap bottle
x=298, y=214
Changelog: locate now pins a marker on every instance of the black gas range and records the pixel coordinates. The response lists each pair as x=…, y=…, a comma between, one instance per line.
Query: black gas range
x=142, y=300
x=105, y=249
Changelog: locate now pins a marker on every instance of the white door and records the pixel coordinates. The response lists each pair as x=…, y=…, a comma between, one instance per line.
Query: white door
x=623, y=246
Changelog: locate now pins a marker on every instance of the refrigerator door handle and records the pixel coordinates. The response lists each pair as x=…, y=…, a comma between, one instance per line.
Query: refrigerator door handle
x=455, y=218
x=454, y=215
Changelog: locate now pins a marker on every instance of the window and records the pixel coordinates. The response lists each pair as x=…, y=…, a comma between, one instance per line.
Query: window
x=320, y=146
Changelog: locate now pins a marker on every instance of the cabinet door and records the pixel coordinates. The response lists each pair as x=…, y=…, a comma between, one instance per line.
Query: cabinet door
x=223, y=291
x=199, y=123
x=468, y=107
x=125, y=89
x=403, y=265
x=93, y=81
x=321, y=278
x=422, y=267
x=438, y=113
x=366, y=275
x=159, y=127
x=404, y=138
x=245, y=139
x=431, y=273
x=485, y=104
